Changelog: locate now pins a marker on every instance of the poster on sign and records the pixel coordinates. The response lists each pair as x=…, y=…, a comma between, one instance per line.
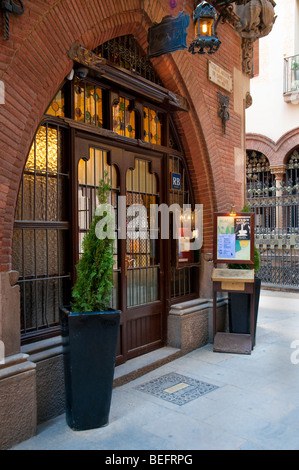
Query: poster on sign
x=233, y=238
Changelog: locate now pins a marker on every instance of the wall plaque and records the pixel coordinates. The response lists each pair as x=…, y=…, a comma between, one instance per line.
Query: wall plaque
x=220, y=77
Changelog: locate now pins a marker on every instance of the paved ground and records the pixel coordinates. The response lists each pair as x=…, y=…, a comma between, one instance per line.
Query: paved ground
x=247, y=402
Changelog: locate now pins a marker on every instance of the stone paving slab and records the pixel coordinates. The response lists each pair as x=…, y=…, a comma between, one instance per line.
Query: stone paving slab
x=254, y=405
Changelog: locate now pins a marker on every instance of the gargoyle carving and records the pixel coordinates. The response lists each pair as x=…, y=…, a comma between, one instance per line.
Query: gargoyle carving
x=257, y=18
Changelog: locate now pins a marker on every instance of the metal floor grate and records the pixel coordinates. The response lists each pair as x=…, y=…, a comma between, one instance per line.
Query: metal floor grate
x=176, y=388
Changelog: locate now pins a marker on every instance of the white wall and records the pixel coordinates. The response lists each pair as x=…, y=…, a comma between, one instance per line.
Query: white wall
x=269, y=115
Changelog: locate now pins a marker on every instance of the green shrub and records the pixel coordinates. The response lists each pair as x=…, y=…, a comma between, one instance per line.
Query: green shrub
x=93, y=288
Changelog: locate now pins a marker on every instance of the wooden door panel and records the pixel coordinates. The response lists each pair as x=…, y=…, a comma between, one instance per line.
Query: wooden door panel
x=140, y=286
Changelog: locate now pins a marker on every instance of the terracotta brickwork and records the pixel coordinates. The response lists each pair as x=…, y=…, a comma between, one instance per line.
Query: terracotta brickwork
x=34, y=63
x=276, y=152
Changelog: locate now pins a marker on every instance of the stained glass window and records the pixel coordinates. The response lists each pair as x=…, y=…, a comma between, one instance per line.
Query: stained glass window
x=56, y=108
x=124, y=118
x=152, y=126
x=41, y=234
x=88, y=103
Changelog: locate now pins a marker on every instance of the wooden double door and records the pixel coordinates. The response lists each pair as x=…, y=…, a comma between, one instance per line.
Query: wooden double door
x=139, y=285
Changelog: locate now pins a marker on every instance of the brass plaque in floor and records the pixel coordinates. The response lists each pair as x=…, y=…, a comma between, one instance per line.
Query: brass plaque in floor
x=176, y=388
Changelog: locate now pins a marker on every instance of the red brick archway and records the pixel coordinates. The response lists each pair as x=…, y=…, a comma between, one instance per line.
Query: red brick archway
x=276, y=152
x=34, y=62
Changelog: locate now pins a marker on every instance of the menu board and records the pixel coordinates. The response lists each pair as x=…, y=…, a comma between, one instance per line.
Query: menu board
x=234, y=238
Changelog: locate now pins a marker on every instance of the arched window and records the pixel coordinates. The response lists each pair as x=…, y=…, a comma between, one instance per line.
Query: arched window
x=41, y=231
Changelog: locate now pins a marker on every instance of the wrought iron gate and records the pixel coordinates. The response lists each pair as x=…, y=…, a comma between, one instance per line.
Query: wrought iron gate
x=273, y=196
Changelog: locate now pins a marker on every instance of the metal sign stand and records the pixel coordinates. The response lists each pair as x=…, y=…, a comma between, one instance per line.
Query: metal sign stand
x=233, y=280
x=228, y=280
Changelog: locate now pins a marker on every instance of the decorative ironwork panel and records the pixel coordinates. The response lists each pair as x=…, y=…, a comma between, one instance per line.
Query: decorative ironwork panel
x=142, y=252
x=182, y=280
x=40, y=234
x=291, y=74
x=125, y=52
x=275, y=202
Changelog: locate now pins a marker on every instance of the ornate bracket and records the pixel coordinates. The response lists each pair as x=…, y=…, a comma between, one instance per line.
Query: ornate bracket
x=252, y=19
x=223, y=109
x=7, y=7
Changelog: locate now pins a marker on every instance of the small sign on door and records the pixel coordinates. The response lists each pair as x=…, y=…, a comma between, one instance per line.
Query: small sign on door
x=175, y=181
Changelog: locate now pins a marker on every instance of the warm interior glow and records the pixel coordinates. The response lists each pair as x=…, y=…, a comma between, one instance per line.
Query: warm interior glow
x=205, y=26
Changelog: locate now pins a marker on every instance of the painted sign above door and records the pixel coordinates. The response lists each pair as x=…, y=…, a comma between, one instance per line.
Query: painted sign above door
x=169, y=35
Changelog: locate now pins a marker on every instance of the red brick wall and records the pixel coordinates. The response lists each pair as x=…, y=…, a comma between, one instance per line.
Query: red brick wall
x=34, y=62
x=276, y=152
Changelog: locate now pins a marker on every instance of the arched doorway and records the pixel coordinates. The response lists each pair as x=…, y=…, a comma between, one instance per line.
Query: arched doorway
x=119, y=122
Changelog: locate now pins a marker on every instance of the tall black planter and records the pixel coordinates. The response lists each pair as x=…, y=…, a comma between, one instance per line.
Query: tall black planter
x=239, y=310
x=89, y=351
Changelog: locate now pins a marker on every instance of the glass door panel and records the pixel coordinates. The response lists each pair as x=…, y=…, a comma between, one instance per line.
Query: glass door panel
x=142, y=256
x=90, y=172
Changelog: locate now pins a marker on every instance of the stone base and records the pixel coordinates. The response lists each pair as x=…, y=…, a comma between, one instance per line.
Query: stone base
x=47, y=355
x=190, y=324
x=17, y=400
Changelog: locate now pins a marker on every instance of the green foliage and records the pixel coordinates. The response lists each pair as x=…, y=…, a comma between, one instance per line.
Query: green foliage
x=246, y=208
x=93, y=288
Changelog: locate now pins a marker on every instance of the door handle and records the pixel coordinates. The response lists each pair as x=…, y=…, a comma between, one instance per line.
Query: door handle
x=128, y=263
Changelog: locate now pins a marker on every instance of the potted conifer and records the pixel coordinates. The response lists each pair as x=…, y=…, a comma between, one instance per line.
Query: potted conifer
x=239, y=303
x=90, y=329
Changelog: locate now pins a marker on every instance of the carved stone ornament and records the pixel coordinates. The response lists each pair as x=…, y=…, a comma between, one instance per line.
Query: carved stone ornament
x=248, y=100
x=251, y=19
x=223, y=112
x=257, y=18
x=247, y=56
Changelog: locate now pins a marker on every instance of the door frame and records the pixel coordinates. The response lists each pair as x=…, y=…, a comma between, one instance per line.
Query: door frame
x=123, y=155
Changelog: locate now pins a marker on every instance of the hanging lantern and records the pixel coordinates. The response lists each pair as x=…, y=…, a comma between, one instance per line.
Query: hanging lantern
x=205, y=36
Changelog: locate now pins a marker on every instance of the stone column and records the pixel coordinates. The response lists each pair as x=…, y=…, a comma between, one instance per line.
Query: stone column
x=17, y=374
x=279, y=172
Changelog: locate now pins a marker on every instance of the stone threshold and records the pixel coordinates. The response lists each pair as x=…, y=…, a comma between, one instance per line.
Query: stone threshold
x=138, y=366
x=124, y=373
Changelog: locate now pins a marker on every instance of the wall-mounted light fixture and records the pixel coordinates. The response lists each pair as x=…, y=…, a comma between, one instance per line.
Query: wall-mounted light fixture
x=206, y=39
x=233, y=211
x=7, y=7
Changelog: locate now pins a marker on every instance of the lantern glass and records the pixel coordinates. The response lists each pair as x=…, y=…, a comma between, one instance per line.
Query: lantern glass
x=206, y=26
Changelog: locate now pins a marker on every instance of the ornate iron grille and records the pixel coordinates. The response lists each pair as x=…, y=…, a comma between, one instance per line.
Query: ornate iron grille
x=125, y=52
x=275, y=204
x=41, y=232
